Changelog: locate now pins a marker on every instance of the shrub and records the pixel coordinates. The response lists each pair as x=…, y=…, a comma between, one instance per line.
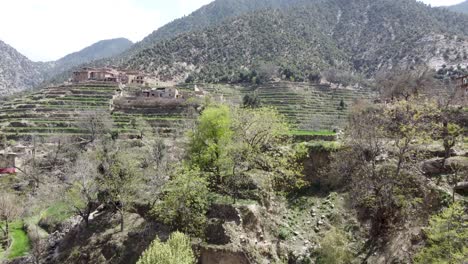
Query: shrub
x=334, y=248
x=447, y=238
x=185, y=202
x=176, y=250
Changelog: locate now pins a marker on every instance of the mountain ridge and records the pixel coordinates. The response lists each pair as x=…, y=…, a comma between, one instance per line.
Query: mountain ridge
x=401, y=33
x=461, y=7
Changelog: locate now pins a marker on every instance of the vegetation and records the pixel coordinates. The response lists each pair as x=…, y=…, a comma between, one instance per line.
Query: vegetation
x=282, y=42
x=334, y=248
x=20, y=245
x=185, y=202
x=176, y=250
x=447, y=237
x=10, y=211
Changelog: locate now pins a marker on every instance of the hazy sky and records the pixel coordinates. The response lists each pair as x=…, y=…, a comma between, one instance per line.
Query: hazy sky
x=49, y=29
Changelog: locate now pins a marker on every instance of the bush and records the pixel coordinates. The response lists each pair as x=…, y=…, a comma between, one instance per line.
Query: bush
x=185, y=202
x=176, y=250
x=447, y=238
x=334, y=248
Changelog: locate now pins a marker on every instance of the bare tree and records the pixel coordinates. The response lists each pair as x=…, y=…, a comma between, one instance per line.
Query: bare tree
x=96, y=124
x=10, y=210
x=400, y=83
x=82, y=196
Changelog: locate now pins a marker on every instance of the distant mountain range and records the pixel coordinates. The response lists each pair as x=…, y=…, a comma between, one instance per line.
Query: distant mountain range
x=18, y=73
x=100, y=50
x=462, y=7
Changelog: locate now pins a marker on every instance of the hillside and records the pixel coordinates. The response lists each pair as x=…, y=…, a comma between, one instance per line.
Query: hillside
x=209, y=15
x=99, y=50
x=462, y=7
x=17, y=72
x=311, y=36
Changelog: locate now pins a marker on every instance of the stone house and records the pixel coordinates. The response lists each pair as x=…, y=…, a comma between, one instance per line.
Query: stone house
x=168, y=93
x=108, y=75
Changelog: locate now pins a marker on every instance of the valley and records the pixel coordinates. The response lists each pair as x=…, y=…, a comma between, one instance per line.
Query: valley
x=267, y=131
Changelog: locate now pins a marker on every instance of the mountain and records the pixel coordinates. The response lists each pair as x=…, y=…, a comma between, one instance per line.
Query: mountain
x=299, y=38
x=18, y=72
x=462, y=7
x=100, y=50
x=208, y=15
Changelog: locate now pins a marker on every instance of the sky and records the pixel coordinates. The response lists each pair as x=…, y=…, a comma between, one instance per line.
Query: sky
x=46, y=30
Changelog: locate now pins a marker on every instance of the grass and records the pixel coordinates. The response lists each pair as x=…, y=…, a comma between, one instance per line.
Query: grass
x=324, y=145
x=59, y=211
x=312, y=133
x=20, y=244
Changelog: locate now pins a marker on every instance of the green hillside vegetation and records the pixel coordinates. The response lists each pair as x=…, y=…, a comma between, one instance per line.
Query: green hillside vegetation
x=302, y=40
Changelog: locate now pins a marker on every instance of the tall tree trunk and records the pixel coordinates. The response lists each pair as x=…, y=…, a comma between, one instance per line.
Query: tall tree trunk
x=121, y=220
x=7, y=231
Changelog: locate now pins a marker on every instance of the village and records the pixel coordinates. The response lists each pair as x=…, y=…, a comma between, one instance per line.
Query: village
x=131, y=78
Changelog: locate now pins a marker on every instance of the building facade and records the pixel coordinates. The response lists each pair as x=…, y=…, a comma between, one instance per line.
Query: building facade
x=168, y=93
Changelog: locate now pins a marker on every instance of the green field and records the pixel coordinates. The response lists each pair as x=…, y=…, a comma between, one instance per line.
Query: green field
x=312, y=133
x=20, y=244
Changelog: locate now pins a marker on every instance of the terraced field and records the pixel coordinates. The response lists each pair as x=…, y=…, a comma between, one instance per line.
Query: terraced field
x=59, y=110
x=308, y=107
x=311, y=107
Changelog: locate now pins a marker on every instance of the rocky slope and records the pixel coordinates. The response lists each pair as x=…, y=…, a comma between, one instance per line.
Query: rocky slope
x=310, y=36
x=18, y=72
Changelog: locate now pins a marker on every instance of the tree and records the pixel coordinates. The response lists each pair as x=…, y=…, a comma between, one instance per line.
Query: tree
x=208, y=143
x=185, y=202
x=400, y=83
x=410, y=122
x=260, y=139
x=82, y=196
x=447, y=237
x=251, y=101
x=119, y=178
x=96, y=124
x=176, y=250
x=10, y=210
x=386, y=186
x=144, y=128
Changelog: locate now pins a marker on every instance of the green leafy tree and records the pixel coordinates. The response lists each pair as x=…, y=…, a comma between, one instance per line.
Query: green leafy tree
x=208, y=143
x=185, y=202
x=176, y=250
x=260, y=142
x=447, y=237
